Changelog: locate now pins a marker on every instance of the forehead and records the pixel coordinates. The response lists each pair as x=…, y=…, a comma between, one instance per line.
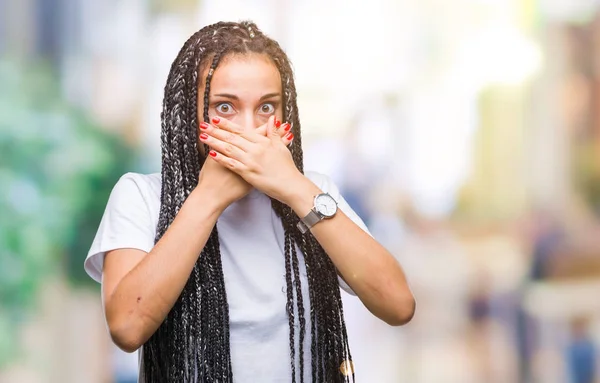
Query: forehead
x=245, y=73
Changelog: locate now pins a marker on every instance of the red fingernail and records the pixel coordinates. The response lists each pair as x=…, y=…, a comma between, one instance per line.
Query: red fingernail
x=286, y=126
x=204, y=136
x=277, y=123
x=204, y=125
x=289, y=136
x=212, y=153
x=216, y=120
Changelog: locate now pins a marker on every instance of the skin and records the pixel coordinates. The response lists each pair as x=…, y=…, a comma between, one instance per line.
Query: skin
x=248, y=145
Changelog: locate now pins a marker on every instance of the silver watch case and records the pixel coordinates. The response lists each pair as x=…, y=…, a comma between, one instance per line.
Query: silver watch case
x=317, y=214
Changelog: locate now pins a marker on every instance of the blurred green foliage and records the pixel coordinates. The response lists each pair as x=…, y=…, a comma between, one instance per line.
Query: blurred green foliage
x=56, y=171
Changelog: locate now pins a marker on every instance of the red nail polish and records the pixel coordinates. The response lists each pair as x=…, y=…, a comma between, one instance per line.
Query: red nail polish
x=212, y=153
x=204, y=136
x=204, y=125
x=286, y=126
x=216, y=120
x=277, y=123
x=289, y=136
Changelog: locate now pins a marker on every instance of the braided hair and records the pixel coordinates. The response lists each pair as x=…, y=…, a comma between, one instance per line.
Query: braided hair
x=192, y=344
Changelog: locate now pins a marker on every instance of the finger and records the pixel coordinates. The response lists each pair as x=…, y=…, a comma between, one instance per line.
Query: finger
x=281, y=131
x=262, y=130
x=288, y=138
x=226, y=148
x=225, y=136
x=272, y=126
x=229, y=126
x=227, y=162
x=284, y=129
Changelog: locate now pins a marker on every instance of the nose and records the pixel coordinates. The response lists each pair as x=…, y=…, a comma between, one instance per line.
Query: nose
x=249, y=120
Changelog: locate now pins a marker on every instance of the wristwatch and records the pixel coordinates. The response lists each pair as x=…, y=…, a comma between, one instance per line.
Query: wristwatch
x=324, y=207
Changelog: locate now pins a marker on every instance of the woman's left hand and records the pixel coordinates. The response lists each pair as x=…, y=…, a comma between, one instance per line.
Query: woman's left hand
x=263, y=161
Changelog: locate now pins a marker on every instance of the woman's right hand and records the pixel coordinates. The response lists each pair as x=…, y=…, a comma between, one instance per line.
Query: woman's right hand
x=223, y=186
x=220, y=185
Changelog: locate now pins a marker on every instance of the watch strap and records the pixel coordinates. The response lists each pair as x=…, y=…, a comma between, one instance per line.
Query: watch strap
x=311, y=219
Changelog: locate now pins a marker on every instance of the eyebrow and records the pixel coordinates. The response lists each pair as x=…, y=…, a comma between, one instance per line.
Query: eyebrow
x=234, y=97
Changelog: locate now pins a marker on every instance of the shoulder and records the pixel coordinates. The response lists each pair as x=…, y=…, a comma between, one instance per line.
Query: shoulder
x=323, y=181
x=136, y=194
x=139, y=180
x=132, y=185
x=129, y=220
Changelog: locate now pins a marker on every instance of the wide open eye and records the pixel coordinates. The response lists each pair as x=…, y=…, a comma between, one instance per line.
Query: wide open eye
x=224, y=108
x=267, y=108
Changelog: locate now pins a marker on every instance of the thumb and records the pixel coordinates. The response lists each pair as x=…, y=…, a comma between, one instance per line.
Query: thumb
x=272, y=128
x=262, y=130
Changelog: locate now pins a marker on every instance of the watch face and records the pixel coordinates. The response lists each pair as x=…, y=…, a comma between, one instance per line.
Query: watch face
x=325, y=205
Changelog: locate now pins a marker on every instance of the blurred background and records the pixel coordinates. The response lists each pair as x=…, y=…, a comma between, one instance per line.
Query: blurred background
x=466, y=133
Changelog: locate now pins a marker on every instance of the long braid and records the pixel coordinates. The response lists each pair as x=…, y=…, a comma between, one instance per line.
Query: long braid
x=291, y=114
x=320, y=267
x=177, y=351
x=191, y=168
x=192, y=344
x=324, y=289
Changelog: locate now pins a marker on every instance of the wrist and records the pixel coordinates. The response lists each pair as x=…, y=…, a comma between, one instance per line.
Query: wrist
x=207, y=199
x=301, y=196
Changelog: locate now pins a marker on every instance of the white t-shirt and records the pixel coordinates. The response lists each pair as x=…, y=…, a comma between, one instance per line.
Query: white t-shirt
x=251, y=240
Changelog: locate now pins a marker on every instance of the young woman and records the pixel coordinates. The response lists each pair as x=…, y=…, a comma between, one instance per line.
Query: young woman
x=227, y=266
